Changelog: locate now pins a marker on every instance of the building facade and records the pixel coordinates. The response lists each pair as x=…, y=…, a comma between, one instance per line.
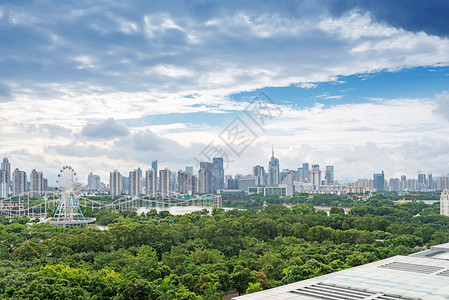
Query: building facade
x=217, y=173
x=151, y=183
x=134, y=183
x=19, y=182
x=115, y=183
x=205, y=178
x=93, y=182
x=273, y=170
x=36, y=183
x=165, y=187
x=444, y=203
x=6, y=166
x=379, y=181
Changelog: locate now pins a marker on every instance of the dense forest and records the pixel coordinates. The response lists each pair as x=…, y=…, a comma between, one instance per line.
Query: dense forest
x=204, y=256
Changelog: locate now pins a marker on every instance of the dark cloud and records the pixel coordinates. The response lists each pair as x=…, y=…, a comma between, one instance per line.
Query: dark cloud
x=107, y=129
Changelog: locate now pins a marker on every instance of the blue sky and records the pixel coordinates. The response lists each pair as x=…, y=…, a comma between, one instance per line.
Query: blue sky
x=111, y=85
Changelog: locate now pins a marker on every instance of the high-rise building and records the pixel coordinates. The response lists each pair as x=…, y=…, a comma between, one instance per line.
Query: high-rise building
x=174, y=182
x=165, y=183
x=329, y=175
x=125, y=183
x=314, y=176
x=444, y=203
x=302, y=172
x=187, y=183
x=151, y=183
x=93, y=182
x=394, y=185
x=6, y=166
x=217, y=173
x=19, y=182
x=379, y=181
x=429, y=181
x=36, y=183
x=154, y=165
x=134, y=183
x=205, y=178
x=4, y=189
x=182, y=181
x=422, y=181
x=189, y=169
x=227, y=177
x=273, y=170
x=115, y=183
x=259, y=173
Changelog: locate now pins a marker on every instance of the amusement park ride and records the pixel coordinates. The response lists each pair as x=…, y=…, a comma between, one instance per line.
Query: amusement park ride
x=68, y=213
x=67, y=199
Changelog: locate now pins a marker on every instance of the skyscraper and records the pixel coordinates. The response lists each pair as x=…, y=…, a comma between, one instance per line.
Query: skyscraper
x=329, y=174
x=151, y=183
x=19, y=182
x=205, y=178
x=36, y=183
x=165, y=183
x=3, y=185
x=314, y=176
x=115, y=183
x=273, y=170
x=6, y=166
x=302, y=172
x=134, y=183
x=189, y=169
x=422, y=181
x=217, y=173
x=187, y=183
x=444, y=203
x=379, y=181
x=93, y=181
x=259, y=173
x=154, y=165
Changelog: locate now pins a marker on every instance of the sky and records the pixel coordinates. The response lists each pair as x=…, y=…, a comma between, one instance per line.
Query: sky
x=105, y=85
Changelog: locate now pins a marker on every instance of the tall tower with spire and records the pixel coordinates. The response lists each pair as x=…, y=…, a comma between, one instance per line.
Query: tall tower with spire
x=273, y=169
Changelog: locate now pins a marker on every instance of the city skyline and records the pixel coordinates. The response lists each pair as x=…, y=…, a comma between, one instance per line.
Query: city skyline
x=111, y=87
x=327, y=173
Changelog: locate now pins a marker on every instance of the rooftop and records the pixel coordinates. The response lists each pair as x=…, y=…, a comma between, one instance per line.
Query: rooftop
x=423, y=275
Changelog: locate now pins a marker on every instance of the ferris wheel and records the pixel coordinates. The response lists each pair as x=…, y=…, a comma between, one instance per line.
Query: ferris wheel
x=68, y=212
x=67, y=180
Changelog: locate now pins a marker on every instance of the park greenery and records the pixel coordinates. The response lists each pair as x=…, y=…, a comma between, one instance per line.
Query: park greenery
x=205, y=256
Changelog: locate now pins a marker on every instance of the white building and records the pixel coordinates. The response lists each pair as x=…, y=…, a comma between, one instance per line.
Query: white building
x=165, y=183
x=273, y=170
x=134, y=183
x=314, y=176
x=3, y=190
x=3, y=184
x=6, y=166
x=444, y=203
x=115, y=183
x=19, y=182
x=93, y=182
x=36, y=183
x=151, y=183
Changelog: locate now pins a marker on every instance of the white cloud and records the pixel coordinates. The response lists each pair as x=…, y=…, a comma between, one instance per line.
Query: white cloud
x=306, y=85
x=171, y=71
x=159, y=23
x=169, y=56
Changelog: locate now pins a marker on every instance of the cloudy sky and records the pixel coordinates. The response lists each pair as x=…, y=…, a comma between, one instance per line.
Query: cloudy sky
x=104, y=85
